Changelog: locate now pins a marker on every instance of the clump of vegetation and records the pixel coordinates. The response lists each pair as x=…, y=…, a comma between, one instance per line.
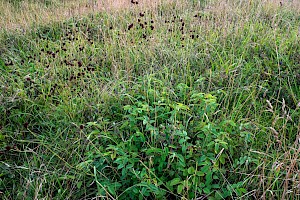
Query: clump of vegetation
x=180, y=100
x=163, y=142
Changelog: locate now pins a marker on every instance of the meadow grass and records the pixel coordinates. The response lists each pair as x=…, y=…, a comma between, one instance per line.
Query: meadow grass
x=174, y=100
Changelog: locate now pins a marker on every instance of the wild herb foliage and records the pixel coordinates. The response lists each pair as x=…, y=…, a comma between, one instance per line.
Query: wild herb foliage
x=187, y=100
x=165, y=145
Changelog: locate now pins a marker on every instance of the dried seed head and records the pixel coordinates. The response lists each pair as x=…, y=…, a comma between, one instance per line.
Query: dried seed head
x=130, y=26
x=283, y=106
x=270, y=106
x=288, y=117
x=274, y=121
x=279, y=142
x=274, y=131
x=26, y=125
x=277, y=165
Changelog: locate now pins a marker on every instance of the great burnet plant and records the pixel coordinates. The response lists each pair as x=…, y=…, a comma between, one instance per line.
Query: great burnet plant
x=165, y=144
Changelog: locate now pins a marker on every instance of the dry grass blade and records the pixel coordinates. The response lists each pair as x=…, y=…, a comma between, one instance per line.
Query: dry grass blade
x=29, y=13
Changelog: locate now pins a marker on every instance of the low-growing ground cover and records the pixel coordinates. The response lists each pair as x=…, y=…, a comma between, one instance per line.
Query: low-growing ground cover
x=181, y=100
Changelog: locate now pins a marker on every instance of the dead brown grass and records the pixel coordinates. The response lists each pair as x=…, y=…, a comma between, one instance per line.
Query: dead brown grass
x=227, y=8
x=35, y=13
x=121, y=4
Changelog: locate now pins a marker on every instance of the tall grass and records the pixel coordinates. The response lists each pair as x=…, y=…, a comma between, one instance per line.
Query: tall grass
x=193, y=99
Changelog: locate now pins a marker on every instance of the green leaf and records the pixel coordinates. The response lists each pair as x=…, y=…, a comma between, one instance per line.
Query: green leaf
x=127, y=107
x=205, y=169
x=111, y=189
x=196, y=97
x=217, y=146
x=120, y=166
x=84, y=165
x=202, y=185
x=175, y=181
x=180, y=188
x=66, y=177
x=208, y=178
x=200, y=173
x=79, y=184
x=152, y=151
x=181, y=106
x=181, y=141
x=242, y=190
x=181, y=158
x=230, y=122
x=191, y=170
x=210, y=144
x=141, y=197
x=199, y=190
x=206, y=190
x=222, y=159
x=94, y=132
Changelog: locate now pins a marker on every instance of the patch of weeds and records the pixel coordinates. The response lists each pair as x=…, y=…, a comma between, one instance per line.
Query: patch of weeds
x=165, y=145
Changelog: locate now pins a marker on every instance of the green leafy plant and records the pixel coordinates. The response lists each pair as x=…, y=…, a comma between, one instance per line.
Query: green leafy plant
x=165, y=144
